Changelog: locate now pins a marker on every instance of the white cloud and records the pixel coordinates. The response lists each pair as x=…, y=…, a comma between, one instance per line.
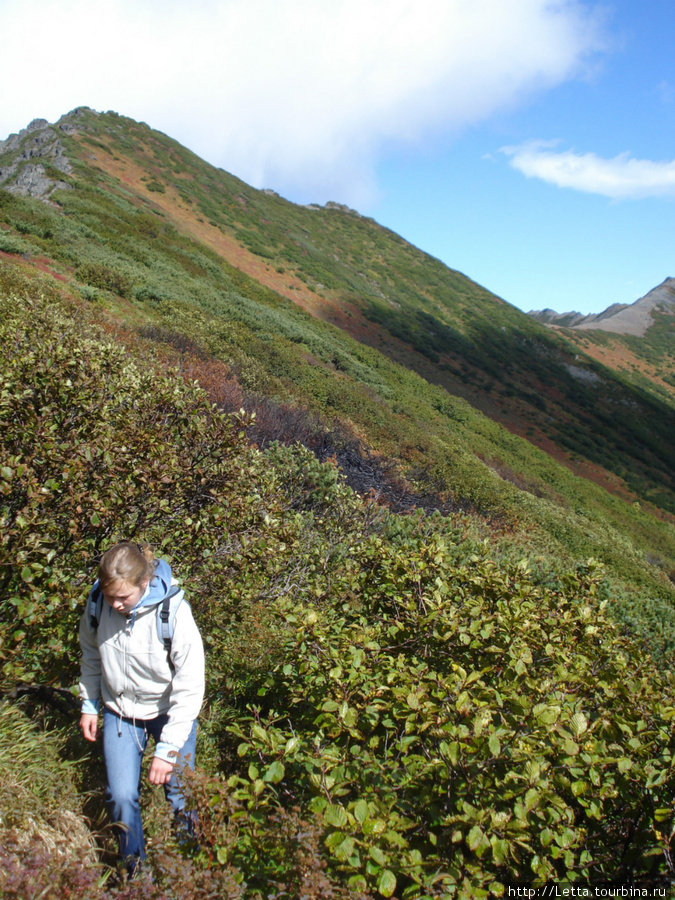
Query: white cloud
x=300, y=95
x=621, y=177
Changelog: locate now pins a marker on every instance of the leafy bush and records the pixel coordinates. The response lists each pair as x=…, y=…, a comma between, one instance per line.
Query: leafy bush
x=390, y=710
x=106, y=278
x=10, y=243
x=462, y=726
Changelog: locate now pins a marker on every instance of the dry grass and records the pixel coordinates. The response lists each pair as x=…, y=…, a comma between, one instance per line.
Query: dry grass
x=39, y=800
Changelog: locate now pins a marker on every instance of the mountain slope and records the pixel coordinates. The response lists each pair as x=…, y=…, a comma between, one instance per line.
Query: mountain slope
x=637, y=341
x=324, y=309
x=393, y=707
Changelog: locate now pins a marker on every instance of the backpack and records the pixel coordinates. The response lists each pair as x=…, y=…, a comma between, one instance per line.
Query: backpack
x=170, y=598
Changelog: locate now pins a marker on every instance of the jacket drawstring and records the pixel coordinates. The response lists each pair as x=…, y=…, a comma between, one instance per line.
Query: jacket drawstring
x=145, y=729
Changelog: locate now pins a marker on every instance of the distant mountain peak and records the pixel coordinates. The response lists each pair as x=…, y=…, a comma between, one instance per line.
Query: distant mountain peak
x=619, y=318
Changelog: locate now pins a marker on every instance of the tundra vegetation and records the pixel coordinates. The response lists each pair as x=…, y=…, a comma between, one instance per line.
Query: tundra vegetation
x=457, y=677
x=396, y=706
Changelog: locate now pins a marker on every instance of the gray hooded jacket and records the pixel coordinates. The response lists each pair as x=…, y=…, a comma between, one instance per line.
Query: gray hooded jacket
x=125, y=664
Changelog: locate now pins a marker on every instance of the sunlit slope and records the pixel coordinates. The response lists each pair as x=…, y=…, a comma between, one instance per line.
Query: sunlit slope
x=637, y=340
x=346, y=269
x=392, y=703
x=157, y=238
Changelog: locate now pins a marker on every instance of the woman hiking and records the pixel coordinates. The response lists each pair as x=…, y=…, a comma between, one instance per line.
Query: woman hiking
x=143, y=659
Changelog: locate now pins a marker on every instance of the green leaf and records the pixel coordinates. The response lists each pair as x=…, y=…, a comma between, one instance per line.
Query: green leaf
x=578, y=724
x=334, y=840
x=546, y=837
x=386, y=883
x=350, y=717
x=374, y=826
x=361, y=811
x=500, y=849
x=453, y=752
x=345, y=849
x=336, y=816
x=531, y=799
x=259, y=732
x=548, y=715
x=475, y=838
x=495, y=745
x=275, y=772
x=377, y=855
x=292, y=744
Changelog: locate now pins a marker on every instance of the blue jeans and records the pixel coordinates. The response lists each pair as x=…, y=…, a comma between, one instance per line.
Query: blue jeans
x=124, y=742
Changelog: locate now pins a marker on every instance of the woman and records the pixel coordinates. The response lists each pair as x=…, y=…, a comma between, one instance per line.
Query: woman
x=150, y=684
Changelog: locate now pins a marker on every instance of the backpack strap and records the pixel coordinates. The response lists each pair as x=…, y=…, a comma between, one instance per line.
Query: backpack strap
x=94, y=606
x=166, y=613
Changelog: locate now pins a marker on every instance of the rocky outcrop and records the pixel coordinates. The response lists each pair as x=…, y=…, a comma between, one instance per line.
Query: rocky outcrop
x=25, y=155
x=33, y=181
x=620, y=318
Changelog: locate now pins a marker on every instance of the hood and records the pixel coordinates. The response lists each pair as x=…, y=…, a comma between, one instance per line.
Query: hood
x=159, y=586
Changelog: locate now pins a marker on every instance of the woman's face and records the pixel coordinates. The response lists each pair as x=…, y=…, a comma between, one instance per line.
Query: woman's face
x=123, y=596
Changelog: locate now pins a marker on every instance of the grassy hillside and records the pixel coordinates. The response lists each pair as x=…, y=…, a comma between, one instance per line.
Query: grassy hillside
x=159, y=243
x=131, y=237
x=161, y=222
x=396, y=707
x=348, y=270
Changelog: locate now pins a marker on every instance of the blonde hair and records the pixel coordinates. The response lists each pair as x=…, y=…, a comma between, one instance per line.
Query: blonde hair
x=132, y=563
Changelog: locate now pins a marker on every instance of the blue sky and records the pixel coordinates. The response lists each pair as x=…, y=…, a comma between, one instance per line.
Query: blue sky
x=529, y=240
x=527, y=143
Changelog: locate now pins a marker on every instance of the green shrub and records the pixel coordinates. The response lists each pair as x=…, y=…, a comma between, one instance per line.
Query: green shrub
x=388, y=706
x=462, y=727
x=106, y=278
x=10, y=243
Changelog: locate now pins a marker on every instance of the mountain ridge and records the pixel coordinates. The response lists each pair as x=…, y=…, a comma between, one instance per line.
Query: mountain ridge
x=619, y=318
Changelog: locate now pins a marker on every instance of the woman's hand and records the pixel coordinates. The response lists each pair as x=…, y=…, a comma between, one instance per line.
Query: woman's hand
x=160, y=771
x=89, y=726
